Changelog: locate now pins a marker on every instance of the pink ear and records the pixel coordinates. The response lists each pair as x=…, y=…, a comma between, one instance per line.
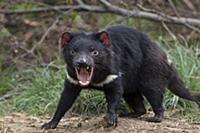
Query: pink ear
x=65, y=38
x=104, y=38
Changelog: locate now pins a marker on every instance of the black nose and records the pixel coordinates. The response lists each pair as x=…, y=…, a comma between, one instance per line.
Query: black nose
x=82, y=62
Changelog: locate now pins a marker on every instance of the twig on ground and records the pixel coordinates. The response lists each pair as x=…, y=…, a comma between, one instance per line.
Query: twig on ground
x=188, y=25
x=80, y=2
x=45, y=34
x=8, y=95
x=185, y=22
x=174, y=7
x=189, y=5
x=169, y=31
x=178, y=15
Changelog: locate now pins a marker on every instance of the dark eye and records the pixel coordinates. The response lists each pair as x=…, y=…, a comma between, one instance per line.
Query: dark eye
x=72, y=52
x=95, y=52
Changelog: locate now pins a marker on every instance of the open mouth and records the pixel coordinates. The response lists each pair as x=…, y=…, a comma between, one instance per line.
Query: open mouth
x=84, y=75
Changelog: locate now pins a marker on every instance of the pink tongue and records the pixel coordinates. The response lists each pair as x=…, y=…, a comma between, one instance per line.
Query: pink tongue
x=83, y=76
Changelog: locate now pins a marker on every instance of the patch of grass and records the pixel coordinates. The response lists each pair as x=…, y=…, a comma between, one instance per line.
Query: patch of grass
x=90, y=103
x=188, y=67
x=42, y=92
x=7, y=80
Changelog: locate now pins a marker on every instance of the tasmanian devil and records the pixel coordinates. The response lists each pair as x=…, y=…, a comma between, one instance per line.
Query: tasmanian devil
x=122, y=62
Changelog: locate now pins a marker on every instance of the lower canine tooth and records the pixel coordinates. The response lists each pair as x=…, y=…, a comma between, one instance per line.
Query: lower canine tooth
x=84, y=83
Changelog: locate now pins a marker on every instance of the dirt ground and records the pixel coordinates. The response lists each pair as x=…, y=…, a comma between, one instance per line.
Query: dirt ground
x=22, y=123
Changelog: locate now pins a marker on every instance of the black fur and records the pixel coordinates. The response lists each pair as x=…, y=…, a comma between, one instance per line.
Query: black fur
x=141, y=66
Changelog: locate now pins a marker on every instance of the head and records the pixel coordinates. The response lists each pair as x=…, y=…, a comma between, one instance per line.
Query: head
x=85, y=53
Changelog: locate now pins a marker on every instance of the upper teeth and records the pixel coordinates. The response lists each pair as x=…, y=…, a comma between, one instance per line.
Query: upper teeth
x=88, y=68
x=78, y=68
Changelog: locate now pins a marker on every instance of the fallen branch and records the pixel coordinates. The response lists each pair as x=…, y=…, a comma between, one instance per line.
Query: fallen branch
x=149, y=15
x=108, y=8
x=167, y=17
x=45, y=34
x=78, y=8
x=178, y=15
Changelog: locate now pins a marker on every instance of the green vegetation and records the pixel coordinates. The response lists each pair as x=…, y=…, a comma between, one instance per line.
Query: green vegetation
x=36, y=90
x=6, y=82
x=41, y=88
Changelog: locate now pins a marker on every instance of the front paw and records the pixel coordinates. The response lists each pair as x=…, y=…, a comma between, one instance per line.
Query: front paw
x=156, y=119
x=50, y=125
x=111, y=119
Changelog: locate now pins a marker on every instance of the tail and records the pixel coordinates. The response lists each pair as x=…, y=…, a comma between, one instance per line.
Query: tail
x=177, y=86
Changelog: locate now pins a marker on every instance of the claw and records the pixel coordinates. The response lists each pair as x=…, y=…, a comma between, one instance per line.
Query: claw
x=49, y=125
x=156, y=118
x=111, y=120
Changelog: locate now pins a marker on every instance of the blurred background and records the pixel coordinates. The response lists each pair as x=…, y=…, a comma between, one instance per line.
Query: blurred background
x=32, y=70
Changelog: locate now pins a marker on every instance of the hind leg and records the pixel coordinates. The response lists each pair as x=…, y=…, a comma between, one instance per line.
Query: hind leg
x=155, y=99
x=154, y=95
x=135, y=101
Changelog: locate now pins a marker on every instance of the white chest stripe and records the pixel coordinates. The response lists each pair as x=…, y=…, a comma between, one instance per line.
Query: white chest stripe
x=108, y=80
x=71, y=80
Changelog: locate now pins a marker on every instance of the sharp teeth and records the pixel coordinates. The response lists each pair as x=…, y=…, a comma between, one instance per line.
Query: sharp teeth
x=88, y=68
x=84, y=83
x=78, y=68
